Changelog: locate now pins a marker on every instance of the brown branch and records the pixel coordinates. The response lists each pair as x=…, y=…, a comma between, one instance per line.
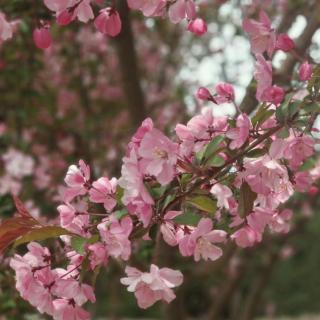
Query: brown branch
x=129, y=67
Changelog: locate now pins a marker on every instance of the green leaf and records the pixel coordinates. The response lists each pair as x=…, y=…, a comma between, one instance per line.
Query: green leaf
x=42, y=233
x=256, y=153
x=216, y=161
x=283, y=133
x=246, y=200
x=185, y=179
x=294, y=107
x=188, y=218
x=308, y=164
x=119, y=194
x=121, y=213
x=212, y=147
x=204, y=203
x=78, y=244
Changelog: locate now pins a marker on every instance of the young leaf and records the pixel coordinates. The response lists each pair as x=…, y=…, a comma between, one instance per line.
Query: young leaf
x=216, y=161
x=78, y=244
x=42, y=233
x=204, y=203
x=247, y=198
x=188, y=218
x=212, y=147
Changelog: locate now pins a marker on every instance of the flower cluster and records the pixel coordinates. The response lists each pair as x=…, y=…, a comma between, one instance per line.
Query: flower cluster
x=221, y=179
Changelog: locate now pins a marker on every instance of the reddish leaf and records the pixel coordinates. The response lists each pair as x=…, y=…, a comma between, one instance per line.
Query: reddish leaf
x=21, y=208
x=42, y=233
x=13, y=228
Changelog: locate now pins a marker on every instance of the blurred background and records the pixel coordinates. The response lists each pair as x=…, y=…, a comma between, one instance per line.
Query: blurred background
x=86, y=95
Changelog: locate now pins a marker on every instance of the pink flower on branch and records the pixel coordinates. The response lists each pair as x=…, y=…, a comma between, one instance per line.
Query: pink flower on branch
x=150, y=287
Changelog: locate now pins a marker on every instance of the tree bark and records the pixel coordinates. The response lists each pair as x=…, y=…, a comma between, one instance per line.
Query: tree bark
x=128, y=64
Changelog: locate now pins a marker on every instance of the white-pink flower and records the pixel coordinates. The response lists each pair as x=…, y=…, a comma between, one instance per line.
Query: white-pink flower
x=150, y=287
x=240, y=134
x=201, y=241
x=262, y=36
x=6, y=28
x=103, y=191
x=159, y=156
x=115, y=235
x=77, y=180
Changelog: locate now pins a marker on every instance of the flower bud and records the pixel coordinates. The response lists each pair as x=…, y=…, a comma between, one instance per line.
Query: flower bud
x=284, y=43
x=197, y=26
x=42, y=38
x=204, y=94
x=108, y=22
x=305, y=71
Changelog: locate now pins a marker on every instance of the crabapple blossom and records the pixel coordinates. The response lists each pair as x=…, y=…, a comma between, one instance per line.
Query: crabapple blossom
x=239, y=135
x=42, y=37
x=108, y=22
x=284, y=42
x=225, y=92
x=150, y=287
x=103, y=191
x=200, y=243
x=6, y=30
x=115, y=235
x=197, y=26
x=204, y=94
x=159, y=156
x=305, y=71
x=262, y=36
x=77, y=180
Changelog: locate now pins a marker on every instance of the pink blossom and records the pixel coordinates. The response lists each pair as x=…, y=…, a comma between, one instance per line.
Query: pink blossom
x=146, y=126
x=103, y=191
x=17, y=164
x=150, y=287
x=74, y=219
x=98, y=255
x=68, y=310
x=246, y=237
x=262, y=36
x=222, y=193
x=115, y=235
x=83, y=11
x=159, y=156
x=148, y=7
x=169, y=230
x=204, y=94
x=225, y=92
x=269, y=179
x=284, y=42
x=108, y=22
x=197, y=26
x=65, y=17
x=141, y=209
x=299, y=149
x=132, y=180
x=63, y=8
x=280, y=221
x=240, y=134
x=303, y=181
x=6, y=29
x=273, y=94
x=42, y=38
x=305, y=71
x=198, y=131
x=263, y=76
x=182, y=9
x=77, y=180
x=200, y=243
x=72, y=289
